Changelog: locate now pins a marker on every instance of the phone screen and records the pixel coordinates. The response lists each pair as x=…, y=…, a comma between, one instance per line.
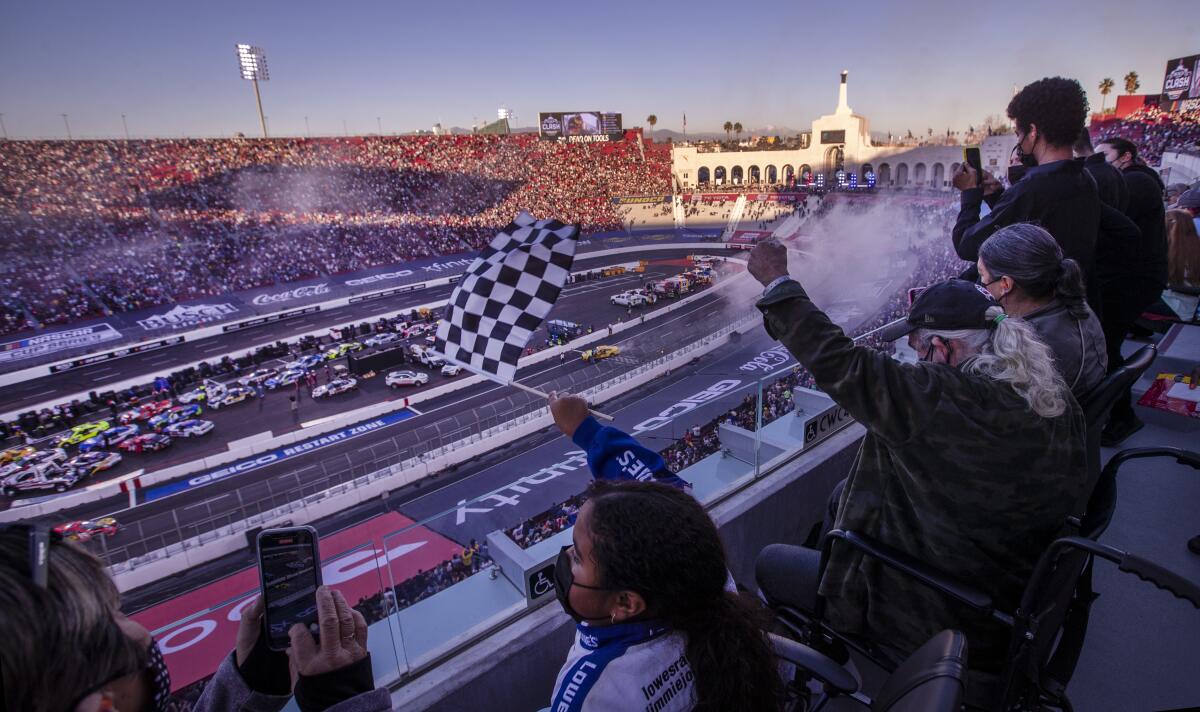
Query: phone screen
x=972, y=157
x=290, y=569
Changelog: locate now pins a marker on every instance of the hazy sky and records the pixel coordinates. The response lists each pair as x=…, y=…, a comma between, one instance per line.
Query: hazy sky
x=171, y=67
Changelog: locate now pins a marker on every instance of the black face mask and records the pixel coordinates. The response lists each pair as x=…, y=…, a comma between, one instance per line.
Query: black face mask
x=1025, y=160
x=564, y=579
x=1016, y=173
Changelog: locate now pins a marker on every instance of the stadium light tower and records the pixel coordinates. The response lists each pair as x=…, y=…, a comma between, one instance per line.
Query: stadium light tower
x=253, y=63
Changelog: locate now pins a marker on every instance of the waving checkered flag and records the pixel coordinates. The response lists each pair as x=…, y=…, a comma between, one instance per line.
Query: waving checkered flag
x=505, y=294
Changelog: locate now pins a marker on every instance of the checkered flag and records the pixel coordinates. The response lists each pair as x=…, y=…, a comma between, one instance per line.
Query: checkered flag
x=505, y=294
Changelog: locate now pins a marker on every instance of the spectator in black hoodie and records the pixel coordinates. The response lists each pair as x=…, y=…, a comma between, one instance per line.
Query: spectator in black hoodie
x=1049, y=188
x=1147, y=271
x=1109, y=181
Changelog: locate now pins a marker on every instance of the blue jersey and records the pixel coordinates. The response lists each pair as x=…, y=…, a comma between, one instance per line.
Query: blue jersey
x=615, y=455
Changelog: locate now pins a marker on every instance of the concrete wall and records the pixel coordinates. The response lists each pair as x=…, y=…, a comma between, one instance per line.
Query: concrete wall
x=515, y=668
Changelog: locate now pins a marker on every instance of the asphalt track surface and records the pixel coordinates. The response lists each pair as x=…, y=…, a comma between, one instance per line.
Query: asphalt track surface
x=164, y=521
x=582, y=302
x=97, y=377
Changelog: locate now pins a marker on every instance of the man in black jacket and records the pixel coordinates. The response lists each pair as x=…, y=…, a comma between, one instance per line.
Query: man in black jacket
x=1146, y=268
x=1109, y=181
x=1052, y=190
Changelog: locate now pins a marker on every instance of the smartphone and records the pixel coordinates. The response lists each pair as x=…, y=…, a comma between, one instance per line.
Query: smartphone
x=972, y=158
x=289, y=570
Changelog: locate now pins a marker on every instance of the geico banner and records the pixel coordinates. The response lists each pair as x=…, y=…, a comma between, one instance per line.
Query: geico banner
x=686, y=405
x=118, y=353
x=44, y=344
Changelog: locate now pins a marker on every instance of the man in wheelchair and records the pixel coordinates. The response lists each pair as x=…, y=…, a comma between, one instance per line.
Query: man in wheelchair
x=972, y=462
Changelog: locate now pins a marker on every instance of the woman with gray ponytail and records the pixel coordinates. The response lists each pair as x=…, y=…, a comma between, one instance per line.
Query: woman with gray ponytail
x=1023, y=268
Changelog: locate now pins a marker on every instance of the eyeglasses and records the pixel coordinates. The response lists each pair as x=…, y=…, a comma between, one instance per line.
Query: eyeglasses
x=40, y=537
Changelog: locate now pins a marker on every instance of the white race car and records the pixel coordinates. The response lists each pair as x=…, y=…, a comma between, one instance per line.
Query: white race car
x=304, y=362
x=630, y=299
x=55, y=478
x=451, y=369
x=189, y=428
x=380, y=339
x=258, y=377
x=93, y=461
x=285, y=378
x=334, y=387
x=395, y=379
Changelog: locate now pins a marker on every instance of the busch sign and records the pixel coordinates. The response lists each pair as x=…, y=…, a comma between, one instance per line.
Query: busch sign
x=185, y=315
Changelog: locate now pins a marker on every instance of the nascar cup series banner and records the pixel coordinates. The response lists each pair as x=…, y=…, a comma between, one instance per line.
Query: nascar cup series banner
x=54, y=342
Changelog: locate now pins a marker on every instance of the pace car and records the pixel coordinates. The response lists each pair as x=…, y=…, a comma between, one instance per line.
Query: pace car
x=286, y=377
x=150, y=442
x=382, y=338
x=174, y=415
x=93, y=461
x=79, y=433
x=451, y=369
x=255, y=378
x=144, y=411
x=236, y=394
x=395, y=379
x=340, y=350
x=53, y=478
x=112, y=436
x=334, y=387
x=305, y=362
x=189, y=428
x=88, y=528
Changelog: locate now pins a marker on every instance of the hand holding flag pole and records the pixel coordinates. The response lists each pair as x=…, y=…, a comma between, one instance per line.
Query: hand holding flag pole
x=504, y=296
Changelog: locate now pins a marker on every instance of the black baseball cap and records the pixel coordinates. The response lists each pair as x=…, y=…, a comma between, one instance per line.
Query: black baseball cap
x=946, y=306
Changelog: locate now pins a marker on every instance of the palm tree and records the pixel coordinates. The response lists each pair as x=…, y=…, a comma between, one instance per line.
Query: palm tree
x=1106, y=85
x=1131, y=83
x=737, y=129
x=728, y=129
x=652, y=120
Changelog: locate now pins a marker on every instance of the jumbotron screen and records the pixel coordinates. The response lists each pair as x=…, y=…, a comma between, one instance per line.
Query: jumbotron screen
x=1181, y=84
x=580, y=126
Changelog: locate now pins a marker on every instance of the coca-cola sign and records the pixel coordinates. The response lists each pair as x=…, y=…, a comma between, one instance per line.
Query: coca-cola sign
x=312, y=290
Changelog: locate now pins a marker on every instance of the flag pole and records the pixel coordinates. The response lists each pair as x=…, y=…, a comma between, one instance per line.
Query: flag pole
x=519, y=386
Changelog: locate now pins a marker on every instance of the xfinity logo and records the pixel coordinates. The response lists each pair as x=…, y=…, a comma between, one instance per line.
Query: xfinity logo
x=686, y=406
x=188, y=315
x=440, y=266
x=510, y=495
x=381, y=277
x=297, y=293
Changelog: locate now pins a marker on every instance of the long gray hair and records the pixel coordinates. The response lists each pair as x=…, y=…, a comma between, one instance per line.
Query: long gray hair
x=1011, y=353
x=1031, y=257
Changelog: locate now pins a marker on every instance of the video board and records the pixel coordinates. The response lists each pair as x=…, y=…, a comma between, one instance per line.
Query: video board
x=1181, y=84
x=580, y=126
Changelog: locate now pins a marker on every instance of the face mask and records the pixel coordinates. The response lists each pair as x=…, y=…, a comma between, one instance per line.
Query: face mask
x=160, y=680
x=1016, y=173
x=564, y=579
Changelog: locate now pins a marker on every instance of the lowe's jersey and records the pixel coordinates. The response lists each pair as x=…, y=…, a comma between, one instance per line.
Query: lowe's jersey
x=627, y=667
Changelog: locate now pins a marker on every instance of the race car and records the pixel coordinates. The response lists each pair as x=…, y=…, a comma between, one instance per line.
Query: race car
x=341, y=350
x=451, y=369
x=112, y=436
x=305, y=362
x=38, y=464
x=189, y=428
x=174, y=415
x=236, y=394
x=600, y=353
x=85, y=530
x=334, y=387
x=255, y=378
x=53, y=477
x=144, y=411
x=16, y=453
x=286, y=377
x=150, y=442
x=79, y=433
x=395, y=379
x=93, y=461
x=381, y=339
x=205, y=392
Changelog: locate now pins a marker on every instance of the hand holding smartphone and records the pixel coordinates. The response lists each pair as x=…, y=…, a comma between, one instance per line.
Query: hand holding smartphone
x=289, y=567
x=973, y=158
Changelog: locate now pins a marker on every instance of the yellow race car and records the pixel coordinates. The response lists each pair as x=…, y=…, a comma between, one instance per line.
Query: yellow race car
x=600, y=353
x=16, y=453
x=79, y=433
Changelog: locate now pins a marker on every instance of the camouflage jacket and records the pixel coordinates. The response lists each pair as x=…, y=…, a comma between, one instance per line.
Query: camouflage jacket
x=955, y=470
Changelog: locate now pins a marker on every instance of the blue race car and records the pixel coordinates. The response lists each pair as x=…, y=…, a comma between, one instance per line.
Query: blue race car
x=112, y=436
x=286, y=378
x=189, y=428
x=174, y=415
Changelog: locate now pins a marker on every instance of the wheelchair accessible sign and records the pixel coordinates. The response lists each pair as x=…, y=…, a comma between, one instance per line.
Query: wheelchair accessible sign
x=270, y=458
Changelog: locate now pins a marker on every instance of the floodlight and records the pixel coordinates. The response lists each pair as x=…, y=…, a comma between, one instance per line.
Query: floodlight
x=253, y=64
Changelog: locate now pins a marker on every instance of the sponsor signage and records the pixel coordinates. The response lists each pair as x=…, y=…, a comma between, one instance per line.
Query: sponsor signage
x=641, y=199
x=376, y=278
x=686, y=405
x=183, y=316
x=1181, y=84
x=291, y=295
x=386, y=293
x=45, y=344
x=580, y=126
x=119, y=353
x=269, y=318
x=833, y=136
x=284, y=453
x=819, y=427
